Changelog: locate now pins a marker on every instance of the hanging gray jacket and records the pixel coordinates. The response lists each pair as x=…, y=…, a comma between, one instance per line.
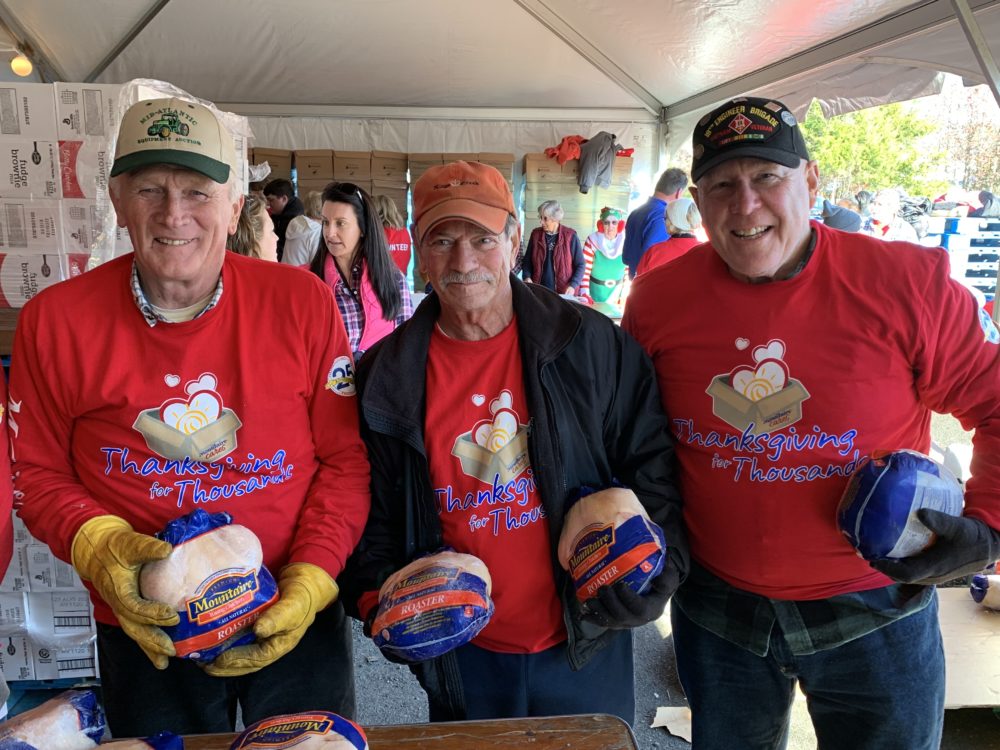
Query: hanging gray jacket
x=597, y=160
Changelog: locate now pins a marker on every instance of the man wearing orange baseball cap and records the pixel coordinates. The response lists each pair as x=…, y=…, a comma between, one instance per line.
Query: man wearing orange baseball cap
x=160, y=383
x=486, y=414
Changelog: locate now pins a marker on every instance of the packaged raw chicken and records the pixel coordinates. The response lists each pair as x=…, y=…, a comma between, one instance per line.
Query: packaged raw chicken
x=434, y=604
x=73, y=720
x=311, y=730
x=607, y=536
x=215, y=579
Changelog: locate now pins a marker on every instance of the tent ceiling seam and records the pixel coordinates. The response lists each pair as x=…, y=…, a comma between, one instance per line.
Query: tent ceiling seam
x=126, y=40
x=591, y=53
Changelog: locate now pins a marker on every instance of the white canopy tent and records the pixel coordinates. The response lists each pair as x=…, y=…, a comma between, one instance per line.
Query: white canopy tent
x=507, y=75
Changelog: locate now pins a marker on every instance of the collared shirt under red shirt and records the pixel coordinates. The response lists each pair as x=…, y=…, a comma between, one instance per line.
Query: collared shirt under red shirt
x=477, y=450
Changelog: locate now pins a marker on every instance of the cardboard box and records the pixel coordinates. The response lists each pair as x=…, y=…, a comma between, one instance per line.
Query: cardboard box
x=24, y=276
x=13, y=613
x=29, y=169
x=448, y=158
x=314, y=165
x=87, y=110
x=16, y=658
x=28, y=111
x=30, y=225
x=47, y=573
x=540, y=168
x=352, y=166
x=15, y=580
x=82, y=227
x=214, y=441
x=307, y=186
x=64, y=662
x=774, y=412
x=392, y=190
x=420, y=163
x=84, y=168
x=971, y=650
x=60, y=618
x=389, y=166
x=621, y=172
x=280, y=161
x=503, y=163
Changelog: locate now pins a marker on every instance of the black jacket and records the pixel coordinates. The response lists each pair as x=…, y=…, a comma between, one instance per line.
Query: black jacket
x=595, y=418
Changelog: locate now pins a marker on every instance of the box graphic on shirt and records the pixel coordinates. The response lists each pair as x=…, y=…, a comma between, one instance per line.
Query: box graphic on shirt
x=494, y=447
x=198, y=426
x=762, y=395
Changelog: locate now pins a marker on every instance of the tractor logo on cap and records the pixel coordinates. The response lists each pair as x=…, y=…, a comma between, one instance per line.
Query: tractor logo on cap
x=168, y=123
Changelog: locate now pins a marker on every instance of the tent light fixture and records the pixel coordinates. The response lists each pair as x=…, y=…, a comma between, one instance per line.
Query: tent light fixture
x=21, y=65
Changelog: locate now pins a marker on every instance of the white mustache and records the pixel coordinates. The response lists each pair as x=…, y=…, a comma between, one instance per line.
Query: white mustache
x=465, y=278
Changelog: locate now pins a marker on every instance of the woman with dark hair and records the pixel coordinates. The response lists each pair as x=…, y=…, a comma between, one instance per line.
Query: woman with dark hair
x=372, y=294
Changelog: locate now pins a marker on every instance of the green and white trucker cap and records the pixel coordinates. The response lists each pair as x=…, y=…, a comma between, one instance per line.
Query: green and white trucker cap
x=174, y=131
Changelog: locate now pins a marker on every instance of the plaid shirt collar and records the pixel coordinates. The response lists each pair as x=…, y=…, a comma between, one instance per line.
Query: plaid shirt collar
x=146, y=307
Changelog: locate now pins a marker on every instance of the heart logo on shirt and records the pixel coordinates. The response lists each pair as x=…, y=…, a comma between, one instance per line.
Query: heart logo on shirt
x=742, y=343
x=478, y=399
x=504, y=401
x=775, y=349
x=769, y=377
x=188, y=416
x=172, y=380
x=494, y=434
x=205, y=382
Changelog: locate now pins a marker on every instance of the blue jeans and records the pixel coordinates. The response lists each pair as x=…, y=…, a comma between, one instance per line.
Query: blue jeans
x=513, y=685
x=883, y=691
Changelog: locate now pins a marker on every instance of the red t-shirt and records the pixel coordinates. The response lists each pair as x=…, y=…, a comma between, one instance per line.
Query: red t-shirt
x=400, y=244
x=664, y=252
x=489, y=506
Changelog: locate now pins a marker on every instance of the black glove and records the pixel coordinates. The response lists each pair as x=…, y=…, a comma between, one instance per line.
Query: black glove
x=963, y=546
x=618, y=607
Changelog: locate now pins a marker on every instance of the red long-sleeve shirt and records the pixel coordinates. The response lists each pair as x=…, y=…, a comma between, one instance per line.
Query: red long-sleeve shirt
x=94, y=388
x=850, y=356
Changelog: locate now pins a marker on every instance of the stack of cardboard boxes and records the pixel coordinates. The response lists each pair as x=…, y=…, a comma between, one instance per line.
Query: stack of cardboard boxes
x=314, y=170
x=389, y=178
x=420, y=163
x=545, y=179
x=46, y=621
x=55, y=165
x=278, y=159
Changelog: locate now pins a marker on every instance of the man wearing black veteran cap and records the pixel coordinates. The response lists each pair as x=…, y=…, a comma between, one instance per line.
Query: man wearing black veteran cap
x=158, y=384
x=787, y=352
x=486, y=414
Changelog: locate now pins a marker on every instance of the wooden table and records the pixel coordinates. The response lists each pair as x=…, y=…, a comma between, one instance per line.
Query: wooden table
x=588, y=732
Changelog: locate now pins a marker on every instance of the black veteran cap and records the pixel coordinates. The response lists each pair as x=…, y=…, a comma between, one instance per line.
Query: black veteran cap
x=747, y=127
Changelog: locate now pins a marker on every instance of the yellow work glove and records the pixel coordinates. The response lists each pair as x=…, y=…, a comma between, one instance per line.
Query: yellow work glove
x=108, y=553
x=304, y=589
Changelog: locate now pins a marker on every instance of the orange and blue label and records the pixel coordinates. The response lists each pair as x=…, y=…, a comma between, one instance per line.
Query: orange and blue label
x=603, y=555
x=289, y=730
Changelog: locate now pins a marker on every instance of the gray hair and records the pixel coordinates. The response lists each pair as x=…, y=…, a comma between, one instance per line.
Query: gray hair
x=551, y=210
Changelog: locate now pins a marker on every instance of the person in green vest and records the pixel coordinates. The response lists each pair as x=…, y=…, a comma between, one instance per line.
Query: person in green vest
x=604, y=269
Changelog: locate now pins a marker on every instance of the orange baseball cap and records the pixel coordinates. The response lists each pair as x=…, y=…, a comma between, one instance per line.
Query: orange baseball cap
x=462, y=190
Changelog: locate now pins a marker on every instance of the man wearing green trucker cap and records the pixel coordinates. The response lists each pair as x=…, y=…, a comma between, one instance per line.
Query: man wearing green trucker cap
x=787, y=353
x=158, y=384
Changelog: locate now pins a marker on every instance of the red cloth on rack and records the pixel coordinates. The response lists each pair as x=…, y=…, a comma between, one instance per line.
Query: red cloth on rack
x=568, y=148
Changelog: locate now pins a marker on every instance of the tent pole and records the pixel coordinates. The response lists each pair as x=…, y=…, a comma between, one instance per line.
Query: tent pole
x=979, y=47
